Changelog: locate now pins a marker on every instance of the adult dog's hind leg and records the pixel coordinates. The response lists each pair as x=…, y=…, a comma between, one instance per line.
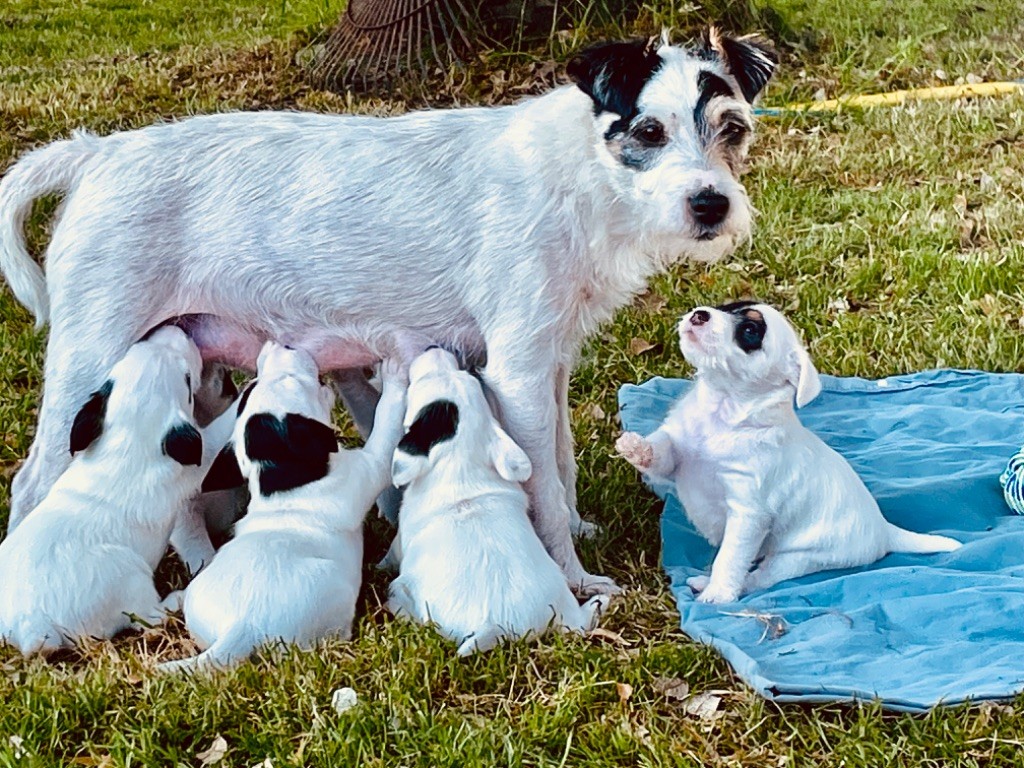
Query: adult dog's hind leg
x=86, y=338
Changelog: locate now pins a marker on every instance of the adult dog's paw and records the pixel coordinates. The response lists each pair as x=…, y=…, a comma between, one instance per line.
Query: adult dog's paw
x=636, y=450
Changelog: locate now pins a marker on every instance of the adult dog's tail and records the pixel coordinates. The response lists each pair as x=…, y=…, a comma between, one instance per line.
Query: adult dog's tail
x=53, y=168
x=901, y=540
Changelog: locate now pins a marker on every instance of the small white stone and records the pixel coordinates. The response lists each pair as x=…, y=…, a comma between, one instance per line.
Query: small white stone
x=343, y=700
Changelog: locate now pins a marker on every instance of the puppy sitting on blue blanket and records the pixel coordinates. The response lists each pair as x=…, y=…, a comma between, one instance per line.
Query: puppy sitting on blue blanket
x=771, y=495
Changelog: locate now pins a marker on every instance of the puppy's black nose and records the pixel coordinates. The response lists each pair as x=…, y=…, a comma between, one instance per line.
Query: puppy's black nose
x=709, y=207
x=699, y=317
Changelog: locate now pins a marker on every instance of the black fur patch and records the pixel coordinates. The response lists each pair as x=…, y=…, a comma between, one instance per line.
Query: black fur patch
x=184, y=444
x=752, y=62
x=224, y=472
x=245, y=397
x=290, y=452
x=750, y=328
x=88, y=424
x=434, y=424
x=613, y=75
x=709, y=86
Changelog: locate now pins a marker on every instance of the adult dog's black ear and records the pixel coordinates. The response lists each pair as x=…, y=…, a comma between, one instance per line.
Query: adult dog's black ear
x=224, y=472
x=613, y=74
x=88, y=424
x=751, y=60
x=184, y=444
x=295, y=437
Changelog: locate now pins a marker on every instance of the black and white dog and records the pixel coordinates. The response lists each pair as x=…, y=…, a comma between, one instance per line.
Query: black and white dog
x=81, y=565
x=293, y=570
x=506, y=233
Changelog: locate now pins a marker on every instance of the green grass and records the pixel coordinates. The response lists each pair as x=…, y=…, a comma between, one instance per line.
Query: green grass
x=892, y=238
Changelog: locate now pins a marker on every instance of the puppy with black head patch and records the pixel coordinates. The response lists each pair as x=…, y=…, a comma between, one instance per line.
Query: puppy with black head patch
x=470, y=560
x=293, y=570
x=81, y=565
x=771, y=495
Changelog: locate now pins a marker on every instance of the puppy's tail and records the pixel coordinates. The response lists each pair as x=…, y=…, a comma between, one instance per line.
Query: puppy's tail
x=50, y=169
x=234, y=647
x=901, y=540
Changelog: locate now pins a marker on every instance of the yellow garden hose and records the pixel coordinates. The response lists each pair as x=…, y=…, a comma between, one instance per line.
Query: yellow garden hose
x=895, y=98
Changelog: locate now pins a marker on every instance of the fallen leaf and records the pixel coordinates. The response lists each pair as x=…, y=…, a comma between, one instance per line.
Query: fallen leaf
x=607, y=634
x=215, y=753
x=265, y=764
x=672, y=688
x=703, y=705
x=638, y=346
x=597, y=412
x=343, y=700
x=625, y=690
x=103, y=761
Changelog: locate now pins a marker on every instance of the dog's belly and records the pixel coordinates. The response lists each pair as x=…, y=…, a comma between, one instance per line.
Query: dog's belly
x=236, y=343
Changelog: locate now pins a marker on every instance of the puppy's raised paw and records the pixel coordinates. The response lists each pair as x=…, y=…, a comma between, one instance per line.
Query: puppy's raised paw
x=636, y=450
x=394, y=371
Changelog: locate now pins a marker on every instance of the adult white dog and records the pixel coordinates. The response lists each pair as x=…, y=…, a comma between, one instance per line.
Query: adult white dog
x=81, y=565
x=293, y=570
x=505, y=233
x=776, y=500
x=469, y=559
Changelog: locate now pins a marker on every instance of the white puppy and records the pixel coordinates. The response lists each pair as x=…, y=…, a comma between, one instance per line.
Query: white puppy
x=508, y=233
x=293, y=570
x=776, y=500
x=82, y=563
x=471, y=562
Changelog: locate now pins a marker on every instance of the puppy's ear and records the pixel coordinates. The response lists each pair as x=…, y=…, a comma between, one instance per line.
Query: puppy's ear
x=750, y=60
x=293, y=438
x=613, y=74
x=88, y=424
x=224, y=473
x=406, y=467
x=508, y=458
x=184, y=444
x=804, y=376
x=436, y=422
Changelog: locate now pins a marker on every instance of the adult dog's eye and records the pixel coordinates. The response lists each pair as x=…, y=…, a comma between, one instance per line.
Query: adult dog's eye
x=651, y=132
x=733, y=132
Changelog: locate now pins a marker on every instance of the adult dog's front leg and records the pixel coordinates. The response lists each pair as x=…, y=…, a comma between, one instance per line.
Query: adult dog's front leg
x=566, y=456
x=520, y=385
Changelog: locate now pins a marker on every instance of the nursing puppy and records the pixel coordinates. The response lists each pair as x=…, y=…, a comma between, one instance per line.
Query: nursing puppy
x=508, y=233
x=470, y=561
x=81, y=565
x=776, y=500
x=293, y=569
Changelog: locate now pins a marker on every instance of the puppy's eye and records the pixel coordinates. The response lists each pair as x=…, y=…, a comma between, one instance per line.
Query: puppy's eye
x=749, y=335
x=651, y=132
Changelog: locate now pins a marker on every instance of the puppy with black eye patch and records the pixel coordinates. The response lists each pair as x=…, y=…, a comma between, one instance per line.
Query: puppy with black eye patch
x=293, y=570
x=81, y=565
x=771, y=495
x=469, y=559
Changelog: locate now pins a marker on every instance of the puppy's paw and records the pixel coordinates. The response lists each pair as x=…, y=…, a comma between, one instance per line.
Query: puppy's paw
x=394, y=372
x=636, y=450
x=715, y=594
x=698, y=583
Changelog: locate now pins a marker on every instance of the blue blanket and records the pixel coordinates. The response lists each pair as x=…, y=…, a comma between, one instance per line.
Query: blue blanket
x=911, y=631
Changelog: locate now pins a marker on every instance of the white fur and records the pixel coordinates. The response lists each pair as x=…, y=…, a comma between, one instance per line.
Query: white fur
x=754, y=481
x=293, y=570
x=470, y=561
x=509, y=232
x=81, y=565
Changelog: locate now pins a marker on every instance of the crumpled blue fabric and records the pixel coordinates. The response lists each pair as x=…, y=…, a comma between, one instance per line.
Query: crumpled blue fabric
x=910, y=631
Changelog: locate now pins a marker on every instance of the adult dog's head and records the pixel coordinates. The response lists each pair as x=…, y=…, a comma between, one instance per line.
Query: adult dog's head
x=748, y=350
x=447, y=415
x=673, y=127
x=147, y=401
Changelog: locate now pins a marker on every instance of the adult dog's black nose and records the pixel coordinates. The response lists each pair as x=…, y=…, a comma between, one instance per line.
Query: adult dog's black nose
x=709, y=207
x=699, y=317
